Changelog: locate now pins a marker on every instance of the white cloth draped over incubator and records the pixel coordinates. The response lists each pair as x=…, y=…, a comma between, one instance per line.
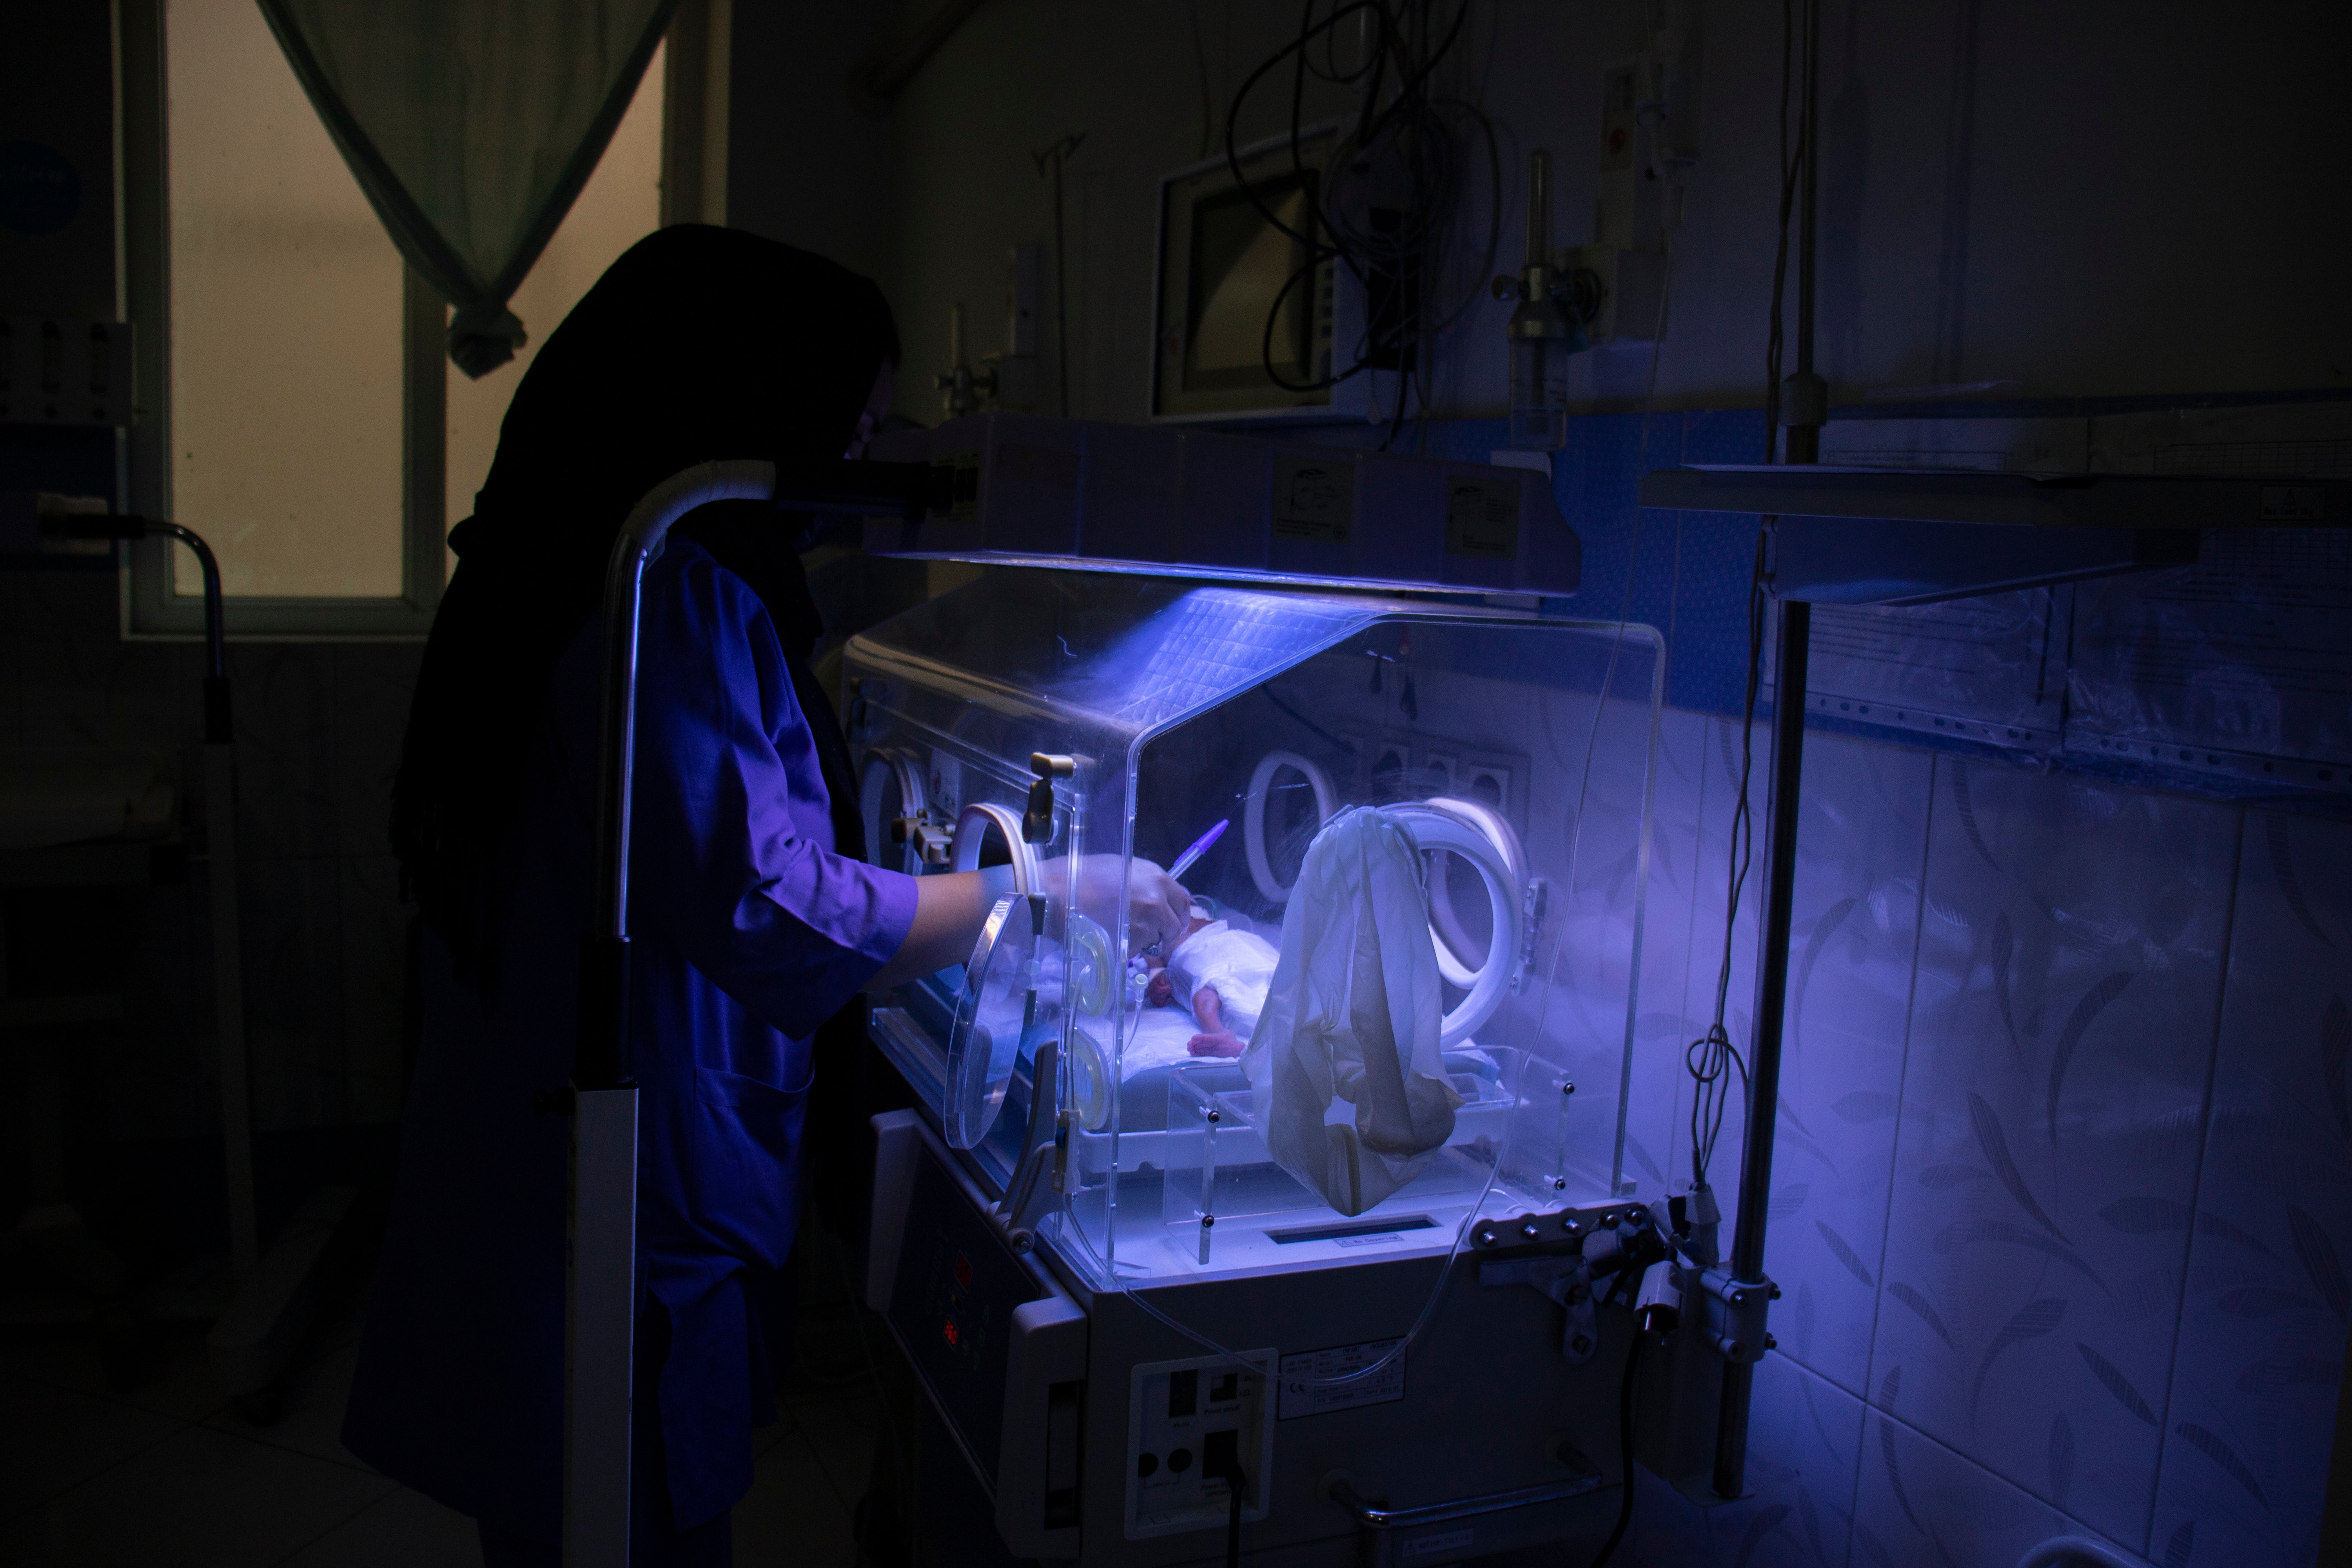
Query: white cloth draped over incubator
x=1353, y=1015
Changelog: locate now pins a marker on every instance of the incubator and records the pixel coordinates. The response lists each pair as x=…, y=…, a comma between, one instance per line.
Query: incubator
x=1154, y=1288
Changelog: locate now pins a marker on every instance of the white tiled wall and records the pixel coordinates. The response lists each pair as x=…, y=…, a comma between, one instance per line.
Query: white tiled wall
x=2065, y=1152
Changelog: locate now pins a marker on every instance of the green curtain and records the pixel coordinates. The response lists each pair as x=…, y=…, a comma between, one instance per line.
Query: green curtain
x=472, y=126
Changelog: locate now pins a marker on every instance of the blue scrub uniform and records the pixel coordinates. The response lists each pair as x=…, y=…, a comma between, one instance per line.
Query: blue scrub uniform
x=749, y=931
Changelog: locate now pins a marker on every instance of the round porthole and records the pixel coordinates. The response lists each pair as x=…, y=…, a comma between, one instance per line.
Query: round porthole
x=991, y=1011
x=1263, y=785
x=1438, y=830
x=889, y=788
x=1090, y=1089
x=1091, y=969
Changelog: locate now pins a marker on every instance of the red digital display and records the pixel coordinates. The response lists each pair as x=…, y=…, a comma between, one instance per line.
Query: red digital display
x=950, y=1331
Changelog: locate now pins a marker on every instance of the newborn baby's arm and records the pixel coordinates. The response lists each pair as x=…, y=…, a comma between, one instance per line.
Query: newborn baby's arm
x=1215, y=1039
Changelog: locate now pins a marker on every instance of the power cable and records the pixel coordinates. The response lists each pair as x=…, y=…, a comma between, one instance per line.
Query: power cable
x=1624, y=1450
x=1411, y=133
x=1712, y=1057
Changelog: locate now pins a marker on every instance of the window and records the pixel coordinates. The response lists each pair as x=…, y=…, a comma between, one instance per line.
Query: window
x=310, y=426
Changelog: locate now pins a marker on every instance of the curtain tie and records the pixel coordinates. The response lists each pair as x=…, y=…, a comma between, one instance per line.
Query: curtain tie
x=484, y=335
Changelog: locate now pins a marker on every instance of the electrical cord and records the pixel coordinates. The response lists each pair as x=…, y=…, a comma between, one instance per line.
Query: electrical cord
x=1410, y=130
x=1200, y=66
x=1624, y=1451
x=1712, y=1057
x=1237, y=1484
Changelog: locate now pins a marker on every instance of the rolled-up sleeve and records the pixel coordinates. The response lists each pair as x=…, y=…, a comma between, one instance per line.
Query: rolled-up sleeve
x=732, y=844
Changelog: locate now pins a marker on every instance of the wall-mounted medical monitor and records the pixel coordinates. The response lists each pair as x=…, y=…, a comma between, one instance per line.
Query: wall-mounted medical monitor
x=1247, y=311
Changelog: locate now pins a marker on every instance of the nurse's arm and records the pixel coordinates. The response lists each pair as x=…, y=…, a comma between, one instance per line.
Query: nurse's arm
x=950, y=910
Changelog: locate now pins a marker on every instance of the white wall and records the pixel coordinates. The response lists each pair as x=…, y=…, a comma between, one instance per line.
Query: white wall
x=2086, y=199
x=805, y=164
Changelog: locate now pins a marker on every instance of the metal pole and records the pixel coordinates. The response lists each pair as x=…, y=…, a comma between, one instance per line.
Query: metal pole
x=1051, y=160
x=1539, y=210
x=1061, y=297
x=228, y=952
x=1793, y=648
x=1809, y=109
x=600, y=1304
x=220, y=849
x=1807, y=394
x=1772, y=1004
x=599, y=1281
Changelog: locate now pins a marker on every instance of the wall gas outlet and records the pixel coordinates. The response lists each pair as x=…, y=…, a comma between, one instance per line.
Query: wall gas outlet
x=1616, y=290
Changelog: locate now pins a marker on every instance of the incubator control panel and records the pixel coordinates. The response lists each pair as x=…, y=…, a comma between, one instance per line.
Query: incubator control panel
x=1192, y=1425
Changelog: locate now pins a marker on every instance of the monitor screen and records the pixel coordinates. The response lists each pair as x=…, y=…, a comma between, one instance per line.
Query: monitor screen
x=1243, y=270
x=1247, y=307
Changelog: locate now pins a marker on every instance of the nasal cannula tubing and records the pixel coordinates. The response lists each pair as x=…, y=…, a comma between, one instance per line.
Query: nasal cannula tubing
x=1502, y=1154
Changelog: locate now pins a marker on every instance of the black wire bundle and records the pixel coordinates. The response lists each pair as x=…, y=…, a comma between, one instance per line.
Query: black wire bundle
x=1412, y=144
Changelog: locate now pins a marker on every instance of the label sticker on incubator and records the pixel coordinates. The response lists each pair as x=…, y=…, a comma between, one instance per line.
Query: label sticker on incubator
x=1314, y=498
x=964, y=496
x=1482, y=518
x=1306, y=1391
x=1431, y=1545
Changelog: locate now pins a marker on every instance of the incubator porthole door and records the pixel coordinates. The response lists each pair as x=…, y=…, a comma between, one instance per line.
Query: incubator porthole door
x=996, y=1010
x=1456, y=944
x=889, y=789
x=1261, y=786
x=973, y=827
x=1093, y=975
x=1091, y=1094
x=1436, y=830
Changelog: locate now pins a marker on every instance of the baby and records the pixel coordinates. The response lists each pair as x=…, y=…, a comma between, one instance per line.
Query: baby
x=1225, y=972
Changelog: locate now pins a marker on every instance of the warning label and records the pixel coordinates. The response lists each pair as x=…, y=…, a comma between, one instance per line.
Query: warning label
x=1482, y=518
x=1308, y=1385
x=964, y=495
x=1314, y=498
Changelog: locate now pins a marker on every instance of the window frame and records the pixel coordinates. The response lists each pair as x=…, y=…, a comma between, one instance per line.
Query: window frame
x=153, y=607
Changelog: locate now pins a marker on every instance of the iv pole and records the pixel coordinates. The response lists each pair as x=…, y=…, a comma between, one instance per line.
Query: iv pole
x=220, y=844
x=1807, y=397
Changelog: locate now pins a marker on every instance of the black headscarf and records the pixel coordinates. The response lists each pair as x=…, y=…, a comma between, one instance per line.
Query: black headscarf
x=698, y=344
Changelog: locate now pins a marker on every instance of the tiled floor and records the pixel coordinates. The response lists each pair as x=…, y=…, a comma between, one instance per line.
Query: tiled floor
x=172, y=1474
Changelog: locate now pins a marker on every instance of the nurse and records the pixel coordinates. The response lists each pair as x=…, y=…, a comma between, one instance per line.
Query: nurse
x=754, y=915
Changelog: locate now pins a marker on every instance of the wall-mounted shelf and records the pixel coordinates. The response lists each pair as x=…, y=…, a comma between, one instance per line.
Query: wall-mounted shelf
x=1890, y=536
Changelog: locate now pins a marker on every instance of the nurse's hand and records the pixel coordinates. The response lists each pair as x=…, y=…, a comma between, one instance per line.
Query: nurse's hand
x=950, y=908
x=1158, y=906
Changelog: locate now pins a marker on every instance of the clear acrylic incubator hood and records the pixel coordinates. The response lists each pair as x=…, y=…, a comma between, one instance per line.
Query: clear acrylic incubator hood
x=1047, y=718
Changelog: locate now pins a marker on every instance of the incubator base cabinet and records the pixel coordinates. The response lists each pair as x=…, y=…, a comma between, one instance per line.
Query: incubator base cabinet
x=1321, y=1203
